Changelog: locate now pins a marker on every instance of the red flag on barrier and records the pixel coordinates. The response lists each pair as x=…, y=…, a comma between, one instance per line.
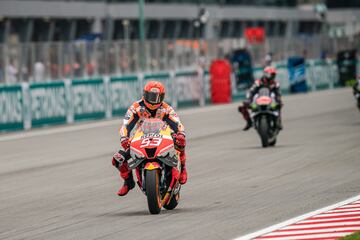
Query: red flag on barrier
x=255, y=35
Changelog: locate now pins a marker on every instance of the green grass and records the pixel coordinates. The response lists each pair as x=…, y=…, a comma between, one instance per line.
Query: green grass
x=354, y=236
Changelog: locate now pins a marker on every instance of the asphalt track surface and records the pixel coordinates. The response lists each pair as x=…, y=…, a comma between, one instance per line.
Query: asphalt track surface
x=62, y=185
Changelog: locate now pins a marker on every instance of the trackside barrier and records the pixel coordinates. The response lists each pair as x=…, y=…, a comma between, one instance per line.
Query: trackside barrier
x=88, y=99
x=47, y=104
x=189, y=88
x=23, y=106
x=123, y=91
x=319, y=75
x=12, y=109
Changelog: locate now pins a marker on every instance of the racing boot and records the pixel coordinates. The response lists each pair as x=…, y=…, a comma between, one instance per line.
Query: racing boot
x=249, y=124
x=279, y=122
x=183, y=173
x=129, y=182
x=128, y=185
x=245, y=112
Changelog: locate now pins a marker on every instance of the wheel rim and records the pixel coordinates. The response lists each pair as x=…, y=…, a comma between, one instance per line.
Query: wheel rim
x=158, y=190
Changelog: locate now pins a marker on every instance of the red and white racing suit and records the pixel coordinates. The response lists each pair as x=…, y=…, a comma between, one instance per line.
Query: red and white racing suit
x=134, y=116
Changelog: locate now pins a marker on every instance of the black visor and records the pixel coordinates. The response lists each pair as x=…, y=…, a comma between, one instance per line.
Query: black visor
x=270, y=76
x=154, y=97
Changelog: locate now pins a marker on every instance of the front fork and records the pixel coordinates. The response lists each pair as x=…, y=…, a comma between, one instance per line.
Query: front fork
x=174, y=186
x=273, y=118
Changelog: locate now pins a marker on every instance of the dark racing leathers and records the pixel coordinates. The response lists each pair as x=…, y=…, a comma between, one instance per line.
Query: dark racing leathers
x=134, y=116
x=356, y=92
x=356, y=87
x=245, y=107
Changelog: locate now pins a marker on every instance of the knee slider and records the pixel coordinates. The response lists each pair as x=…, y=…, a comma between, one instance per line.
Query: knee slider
x=118, y=159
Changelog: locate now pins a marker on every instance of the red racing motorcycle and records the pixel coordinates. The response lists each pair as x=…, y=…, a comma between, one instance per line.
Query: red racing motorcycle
x=156, y=163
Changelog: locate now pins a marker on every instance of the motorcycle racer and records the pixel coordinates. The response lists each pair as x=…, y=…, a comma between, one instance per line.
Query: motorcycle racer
x=356, y=90
x=151, y=105
x=267, y=80
x=356, y=87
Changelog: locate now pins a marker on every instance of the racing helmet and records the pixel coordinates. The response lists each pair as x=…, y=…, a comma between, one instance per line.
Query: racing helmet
x=269, y=75
x=154, y=94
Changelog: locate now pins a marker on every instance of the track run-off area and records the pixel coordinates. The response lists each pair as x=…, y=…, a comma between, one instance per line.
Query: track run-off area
x=58, y=183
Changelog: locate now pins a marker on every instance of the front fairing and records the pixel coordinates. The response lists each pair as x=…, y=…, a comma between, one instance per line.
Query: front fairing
x=269, y=108
x=155, y=144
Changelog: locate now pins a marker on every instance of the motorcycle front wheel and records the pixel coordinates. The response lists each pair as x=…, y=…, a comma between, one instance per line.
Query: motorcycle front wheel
x=263, y=130
x=153, y=191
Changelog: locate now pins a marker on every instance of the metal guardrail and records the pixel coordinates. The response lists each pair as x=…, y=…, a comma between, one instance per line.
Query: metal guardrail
x=51, y=61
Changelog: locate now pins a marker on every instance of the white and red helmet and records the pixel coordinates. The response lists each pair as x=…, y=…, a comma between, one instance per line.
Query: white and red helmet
x=269, y=75
x=154, y=94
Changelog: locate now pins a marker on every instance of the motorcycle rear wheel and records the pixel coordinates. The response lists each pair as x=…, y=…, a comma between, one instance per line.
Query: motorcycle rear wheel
x=153, y=191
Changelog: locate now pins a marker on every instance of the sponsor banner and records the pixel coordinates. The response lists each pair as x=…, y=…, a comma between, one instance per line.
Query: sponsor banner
x=297, y=74
x=123, y=92
x=47, y=103
x=11, y=108
x=189, y=88
x=282, y=77
x=88, y=99
x=323, y=75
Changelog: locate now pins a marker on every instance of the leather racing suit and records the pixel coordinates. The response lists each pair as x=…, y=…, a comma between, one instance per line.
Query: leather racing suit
x=134, y=116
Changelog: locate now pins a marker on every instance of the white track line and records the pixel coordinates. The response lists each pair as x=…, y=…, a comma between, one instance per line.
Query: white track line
x=345, y=210
x=318, y=236
x=339, y=229
x=329, y=219
x=338, y=214
x=350, y=206
x=319, y=225
x=297, y=219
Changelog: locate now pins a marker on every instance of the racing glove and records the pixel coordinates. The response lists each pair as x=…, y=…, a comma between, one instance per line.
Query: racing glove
x=117, y=159
x=180, y=141
x=125, y=143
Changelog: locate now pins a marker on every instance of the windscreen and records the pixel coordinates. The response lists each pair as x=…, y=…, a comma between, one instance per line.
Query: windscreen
x=264, y=92
x=152, y=126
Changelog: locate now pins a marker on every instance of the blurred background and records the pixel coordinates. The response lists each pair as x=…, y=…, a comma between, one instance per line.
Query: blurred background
x=46, y=40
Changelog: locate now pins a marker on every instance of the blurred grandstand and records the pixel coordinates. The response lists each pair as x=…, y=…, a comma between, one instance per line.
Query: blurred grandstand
x=57, y=39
